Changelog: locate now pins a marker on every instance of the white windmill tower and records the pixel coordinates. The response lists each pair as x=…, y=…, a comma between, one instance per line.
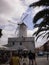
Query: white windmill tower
x=22, y=27
x=22, y=30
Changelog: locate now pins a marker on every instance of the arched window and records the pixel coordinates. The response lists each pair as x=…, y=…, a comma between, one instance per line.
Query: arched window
x=20, y=43
x=13, y=43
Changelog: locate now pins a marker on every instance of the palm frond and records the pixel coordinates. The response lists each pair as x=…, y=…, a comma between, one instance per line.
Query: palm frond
x=44, y=25
x=40, y=3
x=40, y=30
x=0, y=33
x=34, y=33
x=46, y=34
x=36, y=25
x=40, y=14
x=40, y=35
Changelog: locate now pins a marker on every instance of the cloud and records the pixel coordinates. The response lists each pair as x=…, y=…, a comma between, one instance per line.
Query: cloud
x=28, y=2
x=3, y=20
x=9, y=9
x=13, y=8
x=5, y=8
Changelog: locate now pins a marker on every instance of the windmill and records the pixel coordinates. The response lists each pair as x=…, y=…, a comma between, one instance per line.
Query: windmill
x=21, y=20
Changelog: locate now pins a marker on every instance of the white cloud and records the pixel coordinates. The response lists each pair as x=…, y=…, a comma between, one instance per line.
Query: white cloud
x=5, y=8
x=3, y=20
x=11, y=8
x=28, y=2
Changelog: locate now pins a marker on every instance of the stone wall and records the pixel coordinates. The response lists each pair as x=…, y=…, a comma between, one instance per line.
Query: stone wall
x=27, y=42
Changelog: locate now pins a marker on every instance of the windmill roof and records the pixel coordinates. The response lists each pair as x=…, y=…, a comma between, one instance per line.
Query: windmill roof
x=22, y=24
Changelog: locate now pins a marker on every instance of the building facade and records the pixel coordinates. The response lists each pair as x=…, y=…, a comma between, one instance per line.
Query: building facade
x=26, y=42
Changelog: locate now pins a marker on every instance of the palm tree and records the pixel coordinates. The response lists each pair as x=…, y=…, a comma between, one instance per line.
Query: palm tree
x=40, y=3
x=44, y=25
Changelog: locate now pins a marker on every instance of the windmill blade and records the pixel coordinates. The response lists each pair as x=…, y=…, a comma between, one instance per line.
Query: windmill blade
x=11, y=22
x=24, y=15
x=16, y=29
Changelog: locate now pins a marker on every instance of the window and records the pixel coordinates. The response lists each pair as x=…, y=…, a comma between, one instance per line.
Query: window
x=20, y=43
x=13, y=43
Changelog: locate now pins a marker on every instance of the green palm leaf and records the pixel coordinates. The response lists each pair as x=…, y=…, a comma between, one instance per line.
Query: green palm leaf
x=40, y=35
x=47, y=34
x=44, y=25
x=0, y=33
x=40, y=3
x=41, y=14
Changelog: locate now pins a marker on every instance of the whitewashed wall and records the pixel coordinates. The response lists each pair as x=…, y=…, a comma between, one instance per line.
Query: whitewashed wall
x=27, y=42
